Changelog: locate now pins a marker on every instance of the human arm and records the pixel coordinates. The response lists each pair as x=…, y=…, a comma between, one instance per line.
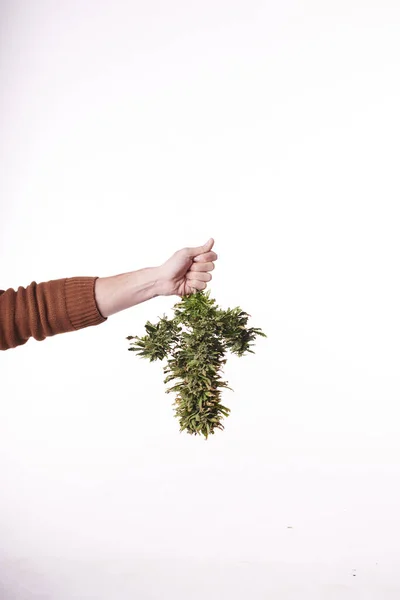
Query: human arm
x=64, y=305
x=186, y=271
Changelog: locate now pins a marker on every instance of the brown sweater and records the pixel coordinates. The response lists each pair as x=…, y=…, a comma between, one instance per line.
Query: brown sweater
x=46, y=309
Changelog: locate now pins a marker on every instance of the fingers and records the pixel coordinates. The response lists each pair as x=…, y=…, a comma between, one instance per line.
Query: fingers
x=198, y=280
x=206, y=257
x=198, y=285
x=191, y=252
x=203, y=262
x=202, y=266
x=198, y=277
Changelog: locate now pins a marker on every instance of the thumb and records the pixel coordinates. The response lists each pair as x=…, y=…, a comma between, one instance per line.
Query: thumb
x=192, y=252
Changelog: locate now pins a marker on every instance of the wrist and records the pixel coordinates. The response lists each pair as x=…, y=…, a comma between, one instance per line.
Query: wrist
x=162, y=283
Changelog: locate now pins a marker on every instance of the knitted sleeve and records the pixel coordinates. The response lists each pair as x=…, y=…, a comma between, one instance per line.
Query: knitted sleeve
x=46, y=309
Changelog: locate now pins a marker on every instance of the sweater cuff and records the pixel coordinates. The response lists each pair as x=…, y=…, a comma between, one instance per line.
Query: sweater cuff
x=81, y=303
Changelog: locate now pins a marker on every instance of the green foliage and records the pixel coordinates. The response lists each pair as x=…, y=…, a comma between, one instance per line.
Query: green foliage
x=195, y=342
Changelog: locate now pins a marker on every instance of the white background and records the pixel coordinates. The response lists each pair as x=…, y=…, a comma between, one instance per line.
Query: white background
x=128, y=131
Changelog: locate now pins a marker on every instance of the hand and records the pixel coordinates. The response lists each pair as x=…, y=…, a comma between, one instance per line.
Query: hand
x=187, y=271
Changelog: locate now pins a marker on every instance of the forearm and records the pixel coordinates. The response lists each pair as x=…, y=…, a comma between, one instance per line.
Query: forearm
x=119, y=292
x=64, y=305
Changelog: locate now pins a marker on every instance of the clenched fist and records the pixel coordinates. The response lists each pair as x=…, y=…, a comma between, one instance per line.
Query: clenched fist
x=187, y=271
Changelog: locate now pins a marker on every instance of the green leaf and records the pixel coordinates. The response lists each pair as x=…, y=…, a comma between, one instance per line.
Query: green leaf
x=195, y=342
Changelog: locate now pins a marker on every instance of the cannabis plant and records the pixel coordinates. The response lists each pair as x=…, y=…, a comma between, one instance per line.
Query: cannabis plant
x=195, y=342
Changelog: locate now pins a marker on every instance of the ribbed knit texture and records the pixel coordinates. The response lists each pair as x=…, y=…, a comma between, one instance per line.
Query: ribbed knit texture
x=47, y=309
x=80, y=302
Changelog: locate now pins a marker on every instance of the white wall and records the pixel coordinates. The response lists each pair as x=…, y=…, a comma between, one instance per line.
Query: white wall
x=130, y=130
